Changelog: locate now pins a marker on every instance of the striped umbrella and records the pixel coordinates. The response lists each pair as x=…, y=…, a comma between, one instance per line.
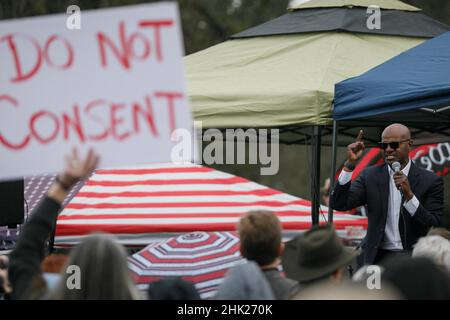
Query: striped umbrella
x=202, y=258
x=151, y=203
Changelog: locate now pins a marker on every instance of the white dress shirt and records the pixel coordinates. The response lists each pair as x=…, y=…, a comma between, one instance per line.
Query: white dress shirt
x=392, y=240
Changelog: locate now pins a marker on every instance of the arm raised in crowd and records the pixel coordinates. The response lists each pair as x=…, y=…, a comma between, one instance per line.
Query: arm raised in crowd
x=29, y=252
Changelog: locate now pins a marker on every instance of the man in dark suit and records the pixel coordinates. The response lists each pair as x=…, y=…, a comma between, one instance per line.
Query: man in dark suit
x=402, y=205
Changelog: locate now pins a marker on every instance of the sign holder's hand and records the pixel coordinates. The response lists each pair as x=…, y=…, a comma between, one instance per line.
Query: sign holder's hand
x=77, y=169
x=74, y=171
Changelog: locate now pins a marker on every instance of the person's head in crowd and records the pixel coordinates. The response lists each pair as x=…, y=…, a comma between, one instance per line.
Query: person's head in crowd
x=172, y=289
x=439, y=231
x=54, y=263
x=316, y=256
x=368, y=278
x=417, y=278
x=435, y=248
x=52, y=266
x=104, y=273
x=365, y=273
x=245, y=282
x=347, y=291
x=261, y=241
x=260, y=237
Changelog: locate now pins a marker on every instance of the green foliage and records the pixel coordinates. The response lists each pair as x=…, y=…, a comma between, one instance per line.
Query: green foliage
x=208, y=22
x=437, y=9
x=205, y=22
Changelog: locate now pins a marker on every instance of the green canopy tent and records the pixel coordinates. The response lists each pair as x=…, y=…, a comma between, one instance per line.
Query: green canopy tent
x=281, y=74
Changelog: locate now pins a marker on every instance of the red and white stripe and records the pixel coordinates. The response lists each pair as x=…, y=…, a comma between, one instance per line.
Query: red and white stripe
x=149, y=203
x=201, y=258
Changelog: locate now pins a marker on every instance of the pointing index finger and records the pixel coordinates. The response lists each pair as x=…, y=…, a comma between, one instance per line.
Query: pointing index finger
x=360, y=136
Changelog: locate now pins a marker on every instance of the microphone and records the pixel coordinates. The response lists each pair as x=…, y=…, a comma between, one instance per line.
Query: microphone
x=396, y=167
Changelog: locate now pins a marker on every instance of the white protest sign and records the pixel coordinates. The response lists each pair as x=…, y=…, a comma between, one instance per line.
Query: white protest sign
x=115, y=84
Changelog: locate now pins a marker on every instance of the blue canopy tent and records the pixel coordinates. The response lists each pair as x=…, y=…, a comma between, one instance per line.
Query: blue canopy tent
x=412, y=88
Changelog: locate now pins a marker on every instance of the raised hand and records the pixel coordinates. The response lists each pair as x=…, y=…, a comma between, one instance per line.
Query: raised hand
x=355, y=149
x=76, y=169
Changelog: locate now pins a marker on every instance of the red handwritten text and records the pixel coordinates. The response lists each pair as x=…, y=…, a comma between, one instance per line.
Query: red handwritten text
x=41, y=54
x=98, y=120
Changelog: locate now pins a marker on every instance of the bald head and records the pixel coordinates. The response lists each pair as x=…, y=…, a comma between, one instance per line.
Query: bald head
x=396, y=130
x=400, y=137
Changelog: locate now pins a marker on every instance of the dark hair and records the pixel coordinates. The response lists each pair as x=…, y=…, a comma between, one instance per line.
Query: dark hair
x=172, y=289
x=260, y=235
x=417, y=278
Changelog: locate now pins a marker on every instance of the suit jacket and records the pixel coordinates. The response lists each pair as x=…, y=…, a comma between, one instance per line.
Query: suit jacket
x=371, y=188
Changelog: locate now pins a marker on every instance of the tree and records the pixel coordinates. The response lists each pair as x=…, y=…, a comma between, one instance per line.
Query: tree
x=204, y=22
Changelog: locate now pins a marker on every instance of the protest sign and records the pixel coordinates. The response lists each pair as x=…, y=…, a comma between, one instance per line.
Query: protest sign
x=114, y=84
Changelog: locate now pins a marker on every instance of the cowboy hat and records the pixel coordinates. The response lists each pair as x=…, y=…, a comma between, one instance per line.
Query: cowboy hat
x=315, y=254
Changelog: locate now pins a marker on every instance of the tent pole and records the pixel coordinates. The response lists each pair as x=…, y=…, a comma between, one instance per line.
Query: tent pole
x=333, y=168
x=315, y=181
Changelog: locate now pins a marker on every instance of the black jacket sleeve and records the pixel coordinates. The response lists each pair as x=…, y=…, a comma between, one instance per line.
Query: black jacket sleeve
x=26, y=258
x=429, y=212
x=350, y=195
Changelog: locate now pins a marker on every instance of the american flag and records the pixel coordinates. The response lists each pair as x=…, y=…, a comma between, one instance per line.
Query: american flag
x=145, y=204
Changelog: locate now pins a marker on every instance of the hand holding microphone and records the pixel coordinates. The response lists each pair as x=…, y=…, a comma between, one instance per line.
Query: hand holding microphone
x=401, y=181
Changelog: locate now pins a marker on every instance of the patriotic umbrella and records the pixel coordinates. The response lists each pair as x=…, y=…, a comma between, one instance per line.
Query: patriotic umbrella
x=201, y=257
x=151, y=203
